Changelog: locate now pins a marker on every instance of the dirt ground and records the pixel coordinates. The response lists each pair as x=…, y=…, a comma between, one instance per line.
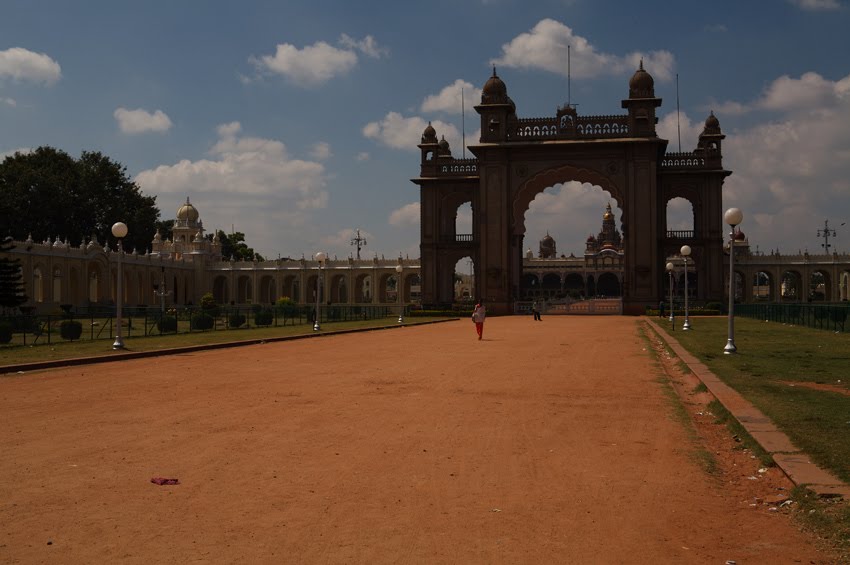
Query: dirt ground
x=547, y=442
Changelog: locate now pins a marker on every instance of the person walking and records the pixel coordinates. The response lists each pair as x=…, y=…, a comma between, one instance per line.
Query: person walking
x=479, y=313
x=535, y=310
x=661, y=309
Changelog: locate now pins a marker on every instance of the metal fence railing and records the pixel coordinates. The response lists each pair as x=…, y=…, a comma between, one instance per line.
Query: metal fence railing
x=99, y=323
x=831, y=317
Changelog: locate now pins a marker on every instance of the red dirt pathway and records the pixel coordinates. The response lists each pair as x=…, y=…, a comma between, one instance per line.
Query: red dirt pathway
x=547, y=442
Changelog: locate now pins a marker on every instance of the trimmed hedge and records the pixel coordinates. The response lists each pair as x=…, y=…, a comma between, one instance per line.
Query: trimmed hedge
x=202, y=321
x=236, y=320
x=167, y=324
x=5, y=332
x=71, y=329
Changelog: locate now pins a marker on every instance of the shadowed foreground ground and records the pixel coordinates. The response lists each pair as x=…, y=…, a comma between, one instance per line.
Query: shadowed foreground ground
x=547, y=442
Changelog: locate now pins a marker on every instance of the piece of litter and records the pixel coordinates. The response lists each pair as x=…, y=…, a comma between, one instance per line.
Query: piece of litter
x=752, y=478
x=773, y=509
x=495, y=510
x=763, y=470
x=163, y=481
x=786, y=503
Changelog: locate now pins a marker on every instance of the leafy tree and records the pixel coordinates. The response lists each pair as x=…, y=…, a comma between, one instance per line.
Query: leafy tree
x=234, y=245
x=11, y=285
x=48, y=193
x=166, y=229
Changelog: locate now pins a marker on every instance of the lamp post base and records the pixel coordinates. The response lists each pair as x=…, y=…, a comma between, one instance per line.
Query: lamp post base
x=730, y=348
x=119, y=343
x=687, y=325
x=400, y=319
x=316, y=327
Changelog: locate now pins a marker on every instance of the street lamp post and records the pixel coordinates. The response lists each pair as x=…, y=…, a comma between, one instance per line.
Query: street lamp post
x=119, y=230
x=399, y=286
x=672, y=315
x=320, y=257
x=733, y=217
x=686, y=251
x=162, y=293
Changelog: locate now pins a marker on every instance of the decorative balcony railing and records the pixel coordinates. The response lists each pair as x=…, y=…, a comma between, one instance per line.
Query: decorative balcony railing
x=680, y=234
x=567, y=127
x=458, y=167
x=457, y=238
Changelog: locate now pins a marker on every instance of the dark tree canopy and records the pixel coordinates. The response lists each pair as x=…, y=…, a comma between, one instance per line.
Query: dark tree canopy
x=48, y=193
x=11, y=287
x=165, y=228
x=233, y=245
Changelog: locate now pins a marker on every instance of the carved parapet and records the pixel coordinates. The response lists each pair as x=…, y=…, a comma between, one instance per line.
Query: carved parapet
x=569, y=127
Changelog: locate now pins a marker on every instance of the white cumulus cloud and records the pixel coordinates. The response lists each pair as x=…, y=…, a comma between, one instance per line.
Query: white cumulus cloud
x=545, y=47
x=321, y=151
x=141, y=121
x=407, y=215
x=316, y=64
x=399, y=132
x=21, y=64
x=449, y=98
x=243, y=167
x=368, y=46
x=790, y=174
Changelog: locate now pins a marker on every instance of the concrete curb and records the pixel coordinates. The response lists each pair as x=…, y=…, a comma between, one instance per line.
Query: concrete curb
x=794, y=463
x=39, y=365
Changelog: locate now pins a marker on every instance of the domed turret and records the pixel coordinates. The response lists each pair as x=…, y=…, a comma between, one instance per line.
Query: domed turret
x=430, y=134
x=608, y=216
x=443, y=148
x=188, y=213
x=495, y=91
x=641, y=85
x=547, y=247
x=712, y=124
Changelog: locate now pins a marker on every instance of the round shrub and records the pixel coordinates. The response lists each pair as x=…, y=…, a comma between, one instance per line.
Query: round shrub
x=5, y=332
x=71, y=329
x=202, y=321
x=236, y=320
x=167, y=324
x=263, y=317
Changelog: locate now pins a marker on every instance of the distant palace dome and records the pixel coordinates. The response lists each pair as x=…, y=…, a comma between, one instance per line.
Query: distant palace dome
x=641, y=85
x=740, y=236
x=188, y=213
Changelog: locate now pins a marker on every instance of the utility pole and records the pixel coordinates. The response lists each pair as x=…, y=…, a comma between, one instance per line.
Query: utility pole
x=359, y=242
x=825, y=233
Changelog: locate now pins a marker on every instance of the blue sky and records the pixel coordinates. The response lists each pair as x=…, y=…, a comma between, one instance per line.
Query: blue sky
x=297, y=122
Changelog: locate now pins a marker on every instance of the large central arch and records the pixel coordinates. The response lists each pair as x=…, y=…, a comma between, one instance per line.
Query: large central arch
x=517, y=159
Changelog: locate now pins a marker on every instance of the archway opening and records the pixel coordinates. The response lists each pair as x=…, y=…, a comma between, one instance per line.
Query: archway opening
x=463, y=222
x=818, y=287
x=572, y=243
x=762, y=287
x=464, y=280
x=680, y=218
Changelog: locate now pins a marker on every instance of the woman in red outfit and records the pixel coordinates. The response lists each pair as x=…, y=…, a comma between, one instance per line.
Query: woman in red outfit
x=478, y=316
